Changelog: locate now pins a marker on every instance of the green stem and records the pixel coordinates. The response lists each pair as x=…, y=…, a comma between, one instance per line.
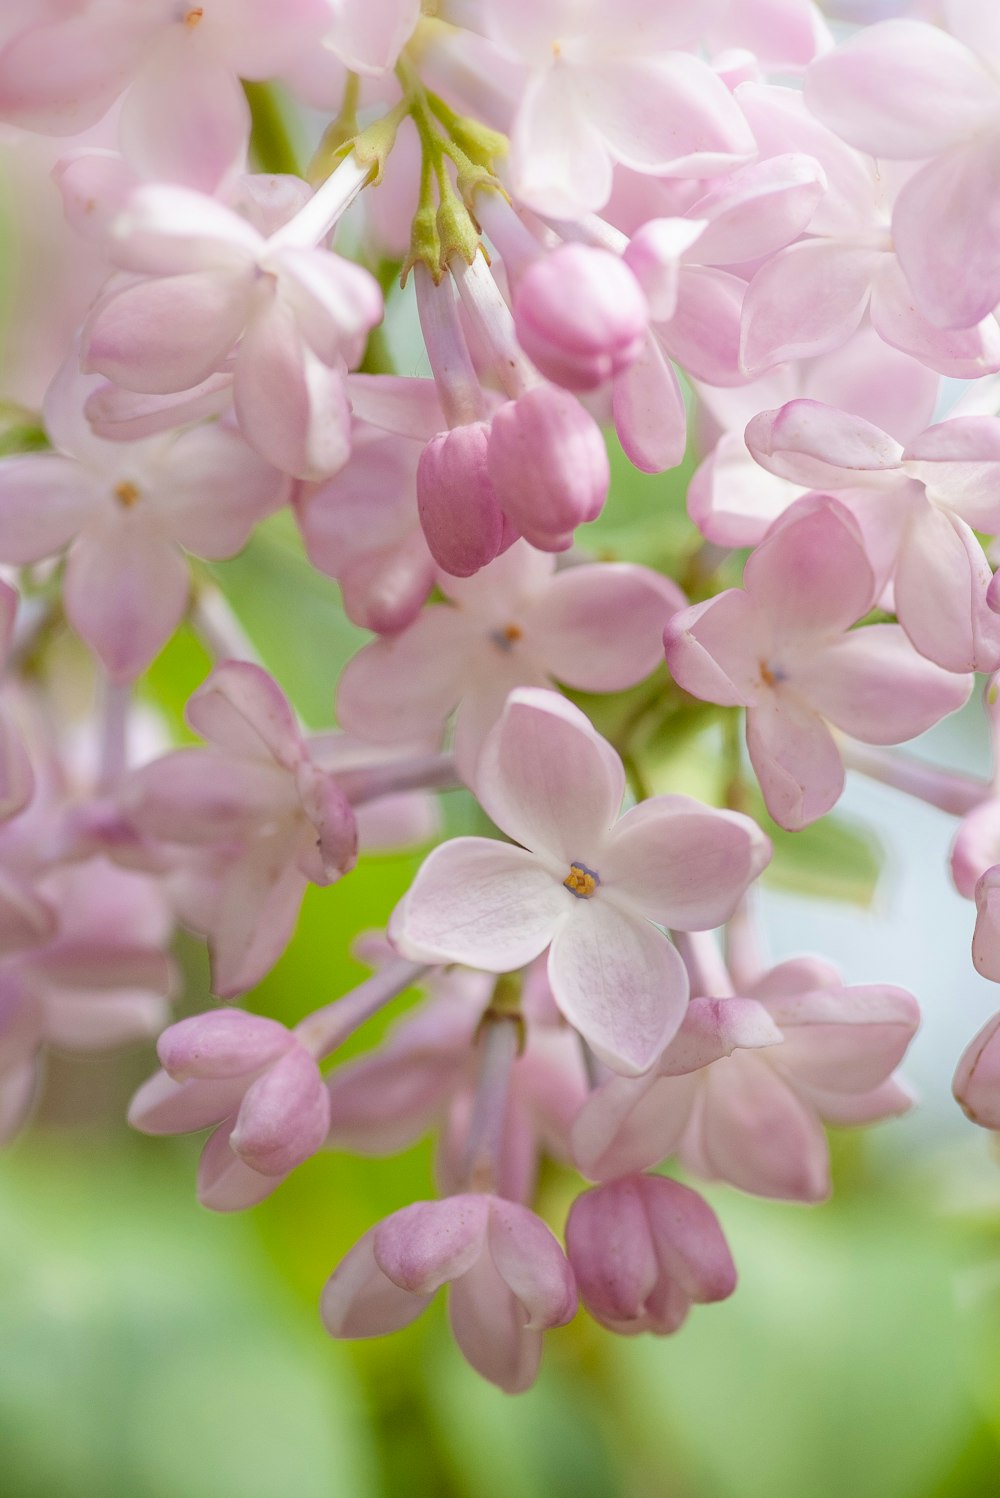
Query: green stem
x=271, y=145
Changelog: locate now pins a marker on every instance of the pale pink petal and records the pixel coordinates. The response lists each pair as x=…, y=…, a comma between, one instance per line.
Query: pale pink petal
x=632, y=1123
x=649, y=413
x=901, y=89
x=959, y=461
x=125, y=593
x=714, y=649
x=559, y=162
x=487, y=1322
x=804, y=301
x=689, y=1240
x=600, y=628
x=168, y=333
x=873, y=684
x=120, y=415
x=732, y=499
x=26, y=919
x=221, y=1043
x=531, y=1264
x=810, y=574
x=819, y=447
x=202, y=143
x=759, y=209
x=986, y=937
x=359, y=1300
x=548, y=779
x=284, y=1117
x=214, y=489
x=611, y=1248
x=335, y=302
x=241, y=709
x=173, y=230
x=255, y=920
x=330, y=847
x=890, y=1099
x=196, y=797
x=667, y=113
x=164, y=1106
x=965, y=354
x=976, y=847
x=977, y=1078
x=703, y=335
x=940, y=590
x=619, y=982
x=682, y=864
x=369, y=38
x=61, y=75
x=952, y=259
x=225, y=1184
x=17, y=778
x=480, y=902
x=844, y=1040
x=45, y=499
x=290, y=405
x=795, y=760
x=976, y=25
x=405, y=686
x=755, y=1133
x=425, y=1245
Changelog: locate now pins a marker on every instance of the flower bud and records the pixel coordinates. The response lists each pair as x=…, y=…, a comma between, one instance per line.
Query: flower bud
x=580, y=316
x=643, y=1249
x=977, y=1078
x=549, y=466
x=458, y=506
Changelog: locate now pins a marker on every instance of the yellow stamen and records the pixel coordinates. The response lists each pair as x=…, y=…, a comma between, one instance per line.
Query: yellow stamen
x=581, y=882
x=193, y=16
x=126, y=493
x=512, y=632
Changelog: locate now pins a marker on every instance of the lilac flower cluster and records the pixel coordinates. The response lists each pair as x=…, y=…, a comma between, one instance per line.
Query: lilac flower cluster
x=699, y=223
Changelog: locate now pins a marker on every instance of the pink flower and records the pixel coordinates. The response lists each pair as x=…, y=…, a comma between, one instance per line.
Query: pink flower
x=209, y=281
x=919, y=507
x=813, y=295
x=256, y=801
x=977, y=1078
x=369, y=38
x=423, y=1076
x=254, y=1084
x=783, y=648
x=63, y=70
x=580, y=315
x=580, y=885
x=17, y=778
x=731, y=499
x=98, y=978
x=607, y=85
x=754, y=1116
x=909, y=91
x=644, y=1249
x=125, y=513
x=362, y=528
x=518, y=622
x=509, y=1282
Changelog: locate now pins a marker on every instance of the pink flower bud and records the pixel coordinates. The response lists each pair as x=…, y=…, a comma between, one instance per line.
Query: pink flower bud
x=643, y=1249
x=509, y=1281
x=220, y=1044
x=580, y=316
x=977, y=1078
x=458, y=506
x=549, y=466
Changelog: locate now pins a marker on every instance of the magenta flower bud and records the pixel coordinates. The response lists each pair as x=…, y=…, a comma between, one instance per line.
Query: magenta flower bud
x=549, y=466
x=459, y=511
x=977, y=1078
x=580, y=315
x=643, y=1249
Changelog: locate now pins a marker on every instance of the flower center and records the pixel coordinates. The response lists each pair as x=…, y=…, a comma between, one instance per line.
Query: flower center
x=126, y=493
x=581, y=881
x=193, y=16
x=505, y=639
x=770, y=675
